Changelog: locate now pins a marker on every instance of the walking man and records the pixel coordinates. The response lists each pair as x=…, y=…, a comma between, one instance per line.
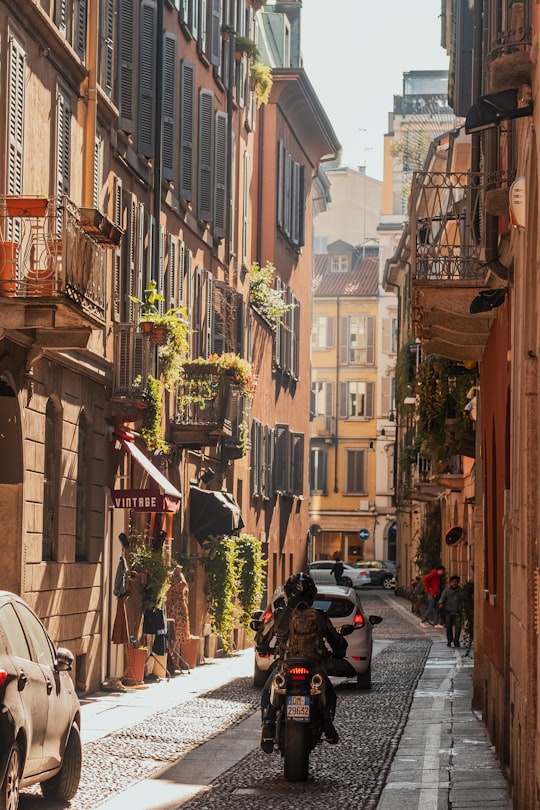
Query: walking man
x=451, y=604
x=338, y=567
x=433, y=587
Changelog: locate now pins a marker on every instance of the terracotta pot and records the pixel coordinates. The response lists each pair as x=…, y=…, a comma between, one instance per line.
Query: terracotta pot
x=238, y=56
x=189, y=651
x=136, y=659
x=8, y=268
x=160, y=335
x=146, y=327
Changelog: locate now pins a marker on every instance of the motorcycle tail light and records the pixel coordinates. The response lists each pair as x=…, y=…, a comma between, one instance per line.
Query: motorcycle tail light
x=358, y=620
x=295, y=671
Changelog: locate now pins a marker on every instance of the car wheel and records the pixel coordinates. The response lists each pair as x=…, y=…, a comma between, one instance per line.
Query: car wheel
x=387, y=583
x=363, y=679
x=9, y=792
x=64, y=785
x=346, y=582
x=259, y=676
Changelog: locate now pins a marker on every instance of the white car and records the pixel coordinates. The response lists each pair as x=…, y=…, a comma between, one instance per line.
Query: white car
x=322, y=573
x=342, y=606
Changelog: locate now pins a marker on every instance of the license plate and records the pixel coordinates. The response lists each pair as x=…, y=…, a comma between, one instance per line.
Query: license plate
x=298, y=708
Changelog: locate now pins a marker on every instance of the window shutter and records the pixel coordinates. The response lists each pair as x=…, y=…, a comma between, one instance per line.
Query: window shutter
x=15, y=119
x=370, y=341
x=169, y=104
x=301, y=206
x=329, y=403
x=197, y=312
x=369, y=400
x=107, y=52
x=186, y=130
x=343, y=400
x=295, y=312
x=282, y=465
x=344, y=341
x=139, y=253
x=188, y=282
x=80, y=38
x=245, y=207
x=220, y=202
x=161, y=267
x=172, y=272
x=126, y=39
x=269, y=461
x=256, y=458
x=387, y=335
x=151, y=271
x=280, y=184
x=233, y=197
x=147, y=78
x=60, y=16
x=386, y=395
x=297, y=442
x=295, y=202
x=63, y=144
x=209, y=332
x=215, y=33
x=127, y=307
x=206, y=150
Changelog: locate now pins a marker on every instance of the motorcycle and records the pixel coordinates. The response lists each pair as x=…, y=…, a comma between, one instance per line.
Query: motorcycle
x=298, y=694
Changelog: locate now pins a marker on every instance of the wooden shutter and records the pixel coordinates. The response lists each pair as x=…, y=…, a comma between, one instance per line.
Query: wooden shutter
x=161, y=267
x=301, y=206
x=171, y=299
x=205, y=153
x=197, y=313
x=80, y=32
x=387, y=335
x=209, y=330
x=256, y=458
x=187, y=113
x=169, y=104
x=386, y=395
x=245, y=207
x=180, y=271
x=297, y=457
x=343, y=400
x=63, y=143
x=147, y=79
x=280, y=183
x=369, y=400
x=214, y=36
x=370, y=341
x=139, y=253
x=127, y=307
x=107, y=47
x=60, y=16
x=220, y=162
x=151, y=271
x=344, y=341
x=329, y=398
x=126, y=79
x=282, y=460
x=15, y=120
x=269, y=461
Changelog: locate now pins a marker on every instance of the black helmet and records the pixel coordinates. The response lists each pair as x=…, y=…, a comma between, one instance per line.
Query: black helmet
x=300, y=588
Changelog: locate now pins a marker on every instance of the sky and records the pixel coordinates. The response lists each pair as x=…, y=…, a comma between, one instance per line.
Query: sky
x=355, y=53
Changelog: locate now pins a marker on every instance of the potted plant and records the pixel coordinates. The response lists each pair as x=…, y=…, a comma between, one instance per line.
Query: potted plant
x=226, y=31
x=247, y=46
x=148, y=308
x=261, y=82
x=171, y=330
x=226, y=366
x=265, y=299
x=151, y=430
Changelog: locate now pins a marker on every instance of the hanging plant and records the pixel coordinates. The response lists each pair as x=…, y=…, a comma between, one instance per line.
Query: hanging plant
x=247, y=46
x=265, y=299
x=251, y=567
x=261, y=82
x=227, y=366
x=151, y=429
x=147, y=307
x=219, y=562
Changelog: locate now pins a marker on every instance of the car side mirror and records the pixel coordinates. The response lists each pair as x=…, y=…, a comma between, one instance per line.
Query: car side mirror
x=255, y=625
x=375, y=619
x=64, y=660
x=346, y=629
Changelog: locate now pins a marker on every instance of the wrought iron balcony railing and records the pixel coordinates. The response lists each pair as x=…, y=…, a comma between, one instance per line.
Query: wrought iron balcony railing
x=447, y=223
x=51, y=249
x=509, y=24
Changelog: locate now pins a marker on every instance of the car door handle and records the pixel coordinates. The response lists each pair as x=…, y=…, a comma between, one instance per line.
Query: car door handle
x=49, y=685
x=22, y=680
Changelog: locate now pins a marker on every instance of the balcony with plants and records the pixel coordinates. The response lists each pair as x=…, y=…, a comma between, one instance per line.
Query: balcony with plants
x=206, y=398
x=433, y=403
x=52, y=267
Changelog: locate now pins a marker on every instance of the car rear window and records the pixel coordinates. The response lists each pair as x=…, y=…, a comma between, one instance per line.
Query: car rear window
x=333, y=606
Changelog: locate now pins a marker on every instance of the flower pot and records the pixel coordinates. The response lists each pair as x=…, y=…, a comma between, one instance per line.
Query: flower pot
x=238, y=56
x=189, y=651
x=8, y=268
x=160, y=335
x=136, y=659
x=146, y=327
x=26, y=206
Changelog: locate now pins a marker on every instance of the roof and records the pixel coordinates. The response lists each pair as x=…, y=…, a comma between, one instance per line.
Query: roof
x=362, y=282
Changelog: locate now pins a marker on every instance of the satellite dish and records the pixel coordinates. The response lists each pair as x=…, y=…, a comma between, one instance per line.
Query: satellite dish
x=453, y=535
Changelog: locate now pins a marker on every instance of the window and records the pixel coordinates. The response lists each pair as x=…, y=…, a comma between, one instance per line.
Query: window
x=147, y=79
x=355, y=472
x=322, y=332
x=287, y=335
x=288, y=462
x=339, y=264
x=205, y=200
x=15, y=127
x=356, y=399
x=63, y=143
x=388, y=396
x=187, y=112
x=50, y=482
x=262, y=460
x=318, y=463
x=170, y=137
x=322, y=394
x=82, y=515
x=70, y=19
x=290, y=197
x=357, y=340
x=389, y=336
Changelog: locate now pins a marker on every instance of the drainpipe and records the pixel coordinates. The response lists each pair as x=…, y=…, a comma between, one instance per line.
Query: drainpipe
x=396, y=439
x=158, y=135
x=338, y=345
x=91, y=104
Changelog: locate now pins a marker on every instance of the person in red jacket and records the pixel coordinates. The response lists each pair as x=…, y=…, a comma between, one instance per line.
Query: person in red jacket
x=433, y=588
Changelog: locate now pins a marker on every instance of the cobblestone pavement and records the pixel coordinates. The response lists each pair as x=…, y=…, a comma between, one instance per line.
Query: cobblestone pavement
x=370, y=724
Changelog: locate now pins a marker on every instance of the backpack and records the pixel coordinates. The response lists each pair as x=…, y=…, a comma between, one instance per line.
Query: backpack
x=306, y=639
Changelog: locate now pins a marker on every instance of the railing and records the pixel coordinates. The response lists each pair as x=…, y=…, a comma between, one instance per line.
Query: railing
x=447, y=216
x=205, y=400
x=510, y=29
x=422, y=104
x=45, y=252
x=323, y=427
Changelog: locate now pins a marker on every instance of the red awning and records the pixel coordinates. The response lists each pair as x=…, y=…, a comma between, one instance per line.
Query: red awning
x=162, y=496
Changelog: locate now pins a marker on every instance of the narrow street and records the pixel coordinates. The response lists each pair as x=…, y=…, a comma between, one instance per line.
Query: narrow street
x=164, y=760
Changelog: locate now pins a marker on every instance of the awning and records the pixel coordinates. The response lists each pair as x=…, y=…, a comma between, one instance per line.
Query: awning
x=161, y=496
x=213, y=513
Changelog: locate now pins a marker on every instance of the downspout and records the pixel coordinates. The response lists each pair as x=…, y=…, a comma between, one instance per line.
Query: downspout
x=338, y=345
x=158, y=135
x=394, y=471
x=90, y=124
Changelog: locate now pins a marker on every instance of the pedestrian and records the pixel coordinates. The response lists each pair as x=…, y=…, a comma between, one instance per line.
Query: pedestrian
x=433, y=586
x=451, y=605
x=338, y=567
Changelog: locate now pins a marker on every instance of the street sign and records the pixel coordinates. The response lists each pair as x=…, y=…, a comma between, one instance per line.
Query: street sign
x=363, y=534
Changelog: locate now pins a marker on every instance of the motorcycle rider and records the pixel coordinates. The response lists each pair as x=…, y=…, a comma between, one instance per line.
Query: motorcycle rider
x=300, y=589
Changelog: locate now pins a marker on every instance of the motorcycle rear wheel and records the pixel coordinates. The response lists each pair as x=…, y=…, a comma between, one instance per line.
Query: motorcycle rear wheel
x=297, y=747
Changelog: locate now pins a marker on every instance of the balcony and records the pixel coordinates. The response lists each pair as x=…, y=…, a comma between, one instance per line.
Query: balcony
x=509, y=62
x=449, y=259
x=205, y=409
x=323, y=429
x=52, y=268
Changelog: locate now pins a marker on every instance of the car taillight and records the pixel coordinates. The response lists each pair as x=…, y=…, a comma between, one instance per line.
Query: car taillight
x=3, y=676
x=358, y=620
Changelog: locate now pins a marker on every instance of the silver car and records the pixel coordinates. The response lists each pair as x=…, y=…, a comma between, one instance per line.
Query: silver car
x=322, y=573
x=343, y=607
